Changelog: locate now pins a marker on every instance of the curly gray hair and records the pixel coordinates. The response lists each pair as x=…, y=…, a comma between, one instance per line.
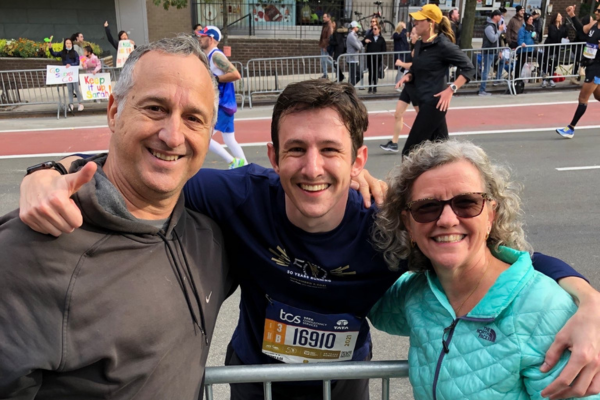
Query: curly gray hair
x=389, y=232
x=183, y=45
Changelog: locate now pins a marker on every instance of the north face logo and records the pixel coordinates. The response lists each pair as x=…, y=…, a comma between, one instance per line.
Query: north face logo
x=487, y=334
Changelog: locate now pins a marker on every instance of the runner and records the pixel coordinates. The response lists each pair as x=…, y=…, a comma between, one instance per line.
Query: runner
x=405, y=97
x=590, y=60
x=225, y=74
x=433, y=55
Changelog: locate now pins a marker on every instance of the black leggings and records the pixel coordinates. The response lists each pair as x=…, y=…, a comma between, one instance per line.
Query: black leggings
x=430, y=124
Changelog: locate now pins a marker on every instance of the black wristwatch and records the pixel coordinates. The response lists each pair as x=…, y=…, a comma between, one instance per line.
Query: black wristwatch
x=47, y=165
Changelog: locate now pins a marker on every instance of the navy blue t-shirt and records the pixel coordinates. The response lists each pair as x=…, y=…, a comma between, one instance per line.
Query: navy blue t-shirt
x=326, y=273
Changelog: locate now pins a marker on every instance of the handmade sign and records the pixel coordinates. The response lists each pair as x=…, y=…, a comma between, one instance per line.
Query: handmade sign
x=123, y=52
x=60, y=74
x=95, y=87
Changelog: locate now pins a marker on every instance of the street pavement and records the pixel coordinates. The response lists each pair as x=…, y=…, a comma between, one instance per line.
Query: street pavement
x=561, y=206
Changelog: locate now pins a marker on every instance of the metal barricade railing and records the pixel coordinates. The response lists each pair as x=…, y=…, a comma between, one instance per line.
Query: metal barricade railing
x=28, y=87
x=539, y=62
x=326, y=372
x=272, y=75
x=370, y=70
x=240, y=85
x=490, y=68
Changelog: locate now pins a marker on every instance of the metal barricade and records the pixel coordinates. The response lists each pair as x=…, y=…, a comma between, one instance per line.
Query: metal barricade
x=326, y=372
x=272, y=75
x=539, y=63
x=240, y=85
x=370, y=70
x=28, y=87
x=492, y=67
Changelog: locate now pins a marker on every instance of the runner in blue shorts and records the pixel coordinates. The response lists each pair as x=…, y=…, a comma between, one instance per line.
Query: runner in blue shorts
x=225, y=74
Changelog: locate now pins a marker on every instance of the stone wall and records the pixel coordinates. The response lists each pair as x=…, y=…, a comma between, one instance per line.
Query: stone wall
x=167, y=23
x=37, y=19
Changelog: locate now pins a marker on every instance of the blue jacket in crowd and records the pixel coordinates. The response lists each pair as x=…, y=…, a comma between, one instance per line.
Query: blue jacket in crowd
x=526, y=37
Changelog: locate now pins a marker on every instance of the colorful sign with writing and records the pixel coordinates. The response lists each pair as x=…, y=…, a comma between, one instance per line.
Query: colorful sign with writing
x=123, y=52
x=95, y=87
x=60, y=74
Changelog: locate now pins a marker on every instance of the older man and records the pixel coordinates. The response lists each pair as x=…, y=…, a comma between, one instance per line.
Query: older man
x=126, y=305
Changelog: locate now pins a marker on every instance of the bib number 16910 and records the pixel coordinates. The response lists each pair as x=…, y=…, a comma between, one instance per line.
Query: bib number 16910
x=304, y=337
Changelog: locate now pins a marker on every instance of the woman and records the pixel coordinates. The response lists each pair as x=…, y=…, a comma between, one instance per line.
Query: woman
x=407, y=96
x=434, y=54
x=69, y=58
x=122, y=35
x=556, y=32
x=526, y=53
x=400, y=38
x=375, y=43
x=590, y=60
x=479, y=317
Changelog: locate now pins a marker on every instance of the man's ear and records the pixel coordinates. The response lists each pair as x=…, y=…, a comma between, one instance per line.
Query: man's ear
x=111, y=116
x=272, y=153
x=361, y=160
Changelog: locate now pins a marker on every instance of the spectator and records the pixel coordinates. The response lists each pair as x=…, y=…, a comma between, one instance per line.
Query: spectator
x=525, y=52
x=489, y=48
x=78, y=45
x=556, y=32
x=337, y=44
x=326, y=32
x=454, y=17
x=121, y=36
x=514, y=25
x=353, y=48
x=580, y=37
x=538, y=26
x=90, y=63
x=503, y=42
x=69, y=58
x=400, y=38
x=375, y=44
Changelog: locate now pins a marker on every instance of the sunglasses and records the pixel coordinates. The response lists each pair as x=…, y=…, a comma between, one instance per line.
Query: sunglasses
x=597, y=11
x=467, y=205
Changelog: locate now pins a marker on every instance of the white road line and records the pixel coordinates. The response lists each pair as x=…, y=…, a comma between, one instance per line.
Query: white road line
x=578, y=168
x=369, y=138
x=268, y=118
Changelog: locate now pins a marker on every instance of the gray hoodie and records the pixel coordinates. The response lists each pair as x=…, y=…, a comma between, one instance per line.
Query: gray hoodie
x=353, y=46
x=491, y=35
x=115, y=310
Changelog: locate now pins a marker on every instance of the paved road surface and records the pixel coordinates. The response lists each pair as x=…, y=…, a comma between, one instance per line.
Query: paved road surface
x=561, y=205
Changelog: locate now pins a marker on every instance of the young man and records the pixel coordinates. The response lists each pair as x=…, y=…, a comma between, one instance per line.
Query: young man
x=301, y=246
x=117, y=309
x=353, y=46
x=326, y=33
x=489, y=47
x=225, y=74
x=514, y=25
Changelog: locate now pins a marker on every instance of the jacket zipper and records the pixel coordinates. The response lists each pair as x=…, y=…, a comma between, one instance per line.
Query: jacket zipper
x=446, y=346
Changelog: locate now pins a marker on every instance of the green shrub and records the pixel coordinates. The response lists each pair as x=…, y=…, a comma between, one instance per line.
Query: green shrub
x=26, y=48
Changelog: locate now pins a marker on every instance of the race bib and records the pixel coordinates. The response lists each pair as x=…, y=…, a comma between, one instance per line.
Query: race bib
x=590, y=51
x=293, y=335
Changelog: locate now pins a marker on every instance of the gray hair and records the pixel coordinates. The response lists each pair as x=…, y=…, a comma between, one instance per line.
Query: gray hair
x=389, y=232
x=183, y=45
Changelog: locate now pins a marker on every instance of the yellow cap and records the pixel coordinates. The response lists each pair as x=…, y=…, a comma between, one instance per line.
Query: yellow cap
x=428, y=11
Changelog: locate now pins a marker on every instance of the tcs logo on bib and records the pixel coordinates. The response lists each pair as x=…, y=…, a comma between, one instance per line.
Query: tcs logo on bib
x=289, y=317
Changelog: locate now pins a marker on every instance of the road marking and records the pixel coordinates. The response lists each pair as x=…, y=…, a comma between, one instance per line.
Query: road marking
x=268, y=118
x=369, y=138
x=578, y=168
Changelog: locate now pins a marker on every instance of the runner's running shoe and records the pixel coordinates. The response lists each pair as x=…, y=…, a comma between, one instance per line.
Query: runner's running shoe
x=567, y=132
x=390, y=146
x=237, y=162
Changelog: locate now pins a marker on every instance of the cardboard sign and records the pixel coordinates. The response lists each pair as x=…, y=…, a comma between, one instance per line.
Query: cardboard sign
x=123, y=52
x=95, y=87
x=60, y=74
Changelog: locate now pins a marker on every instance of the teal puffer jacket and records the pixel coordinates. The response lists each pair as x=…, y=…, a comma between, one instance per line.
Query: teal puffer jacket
x=493, y=352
